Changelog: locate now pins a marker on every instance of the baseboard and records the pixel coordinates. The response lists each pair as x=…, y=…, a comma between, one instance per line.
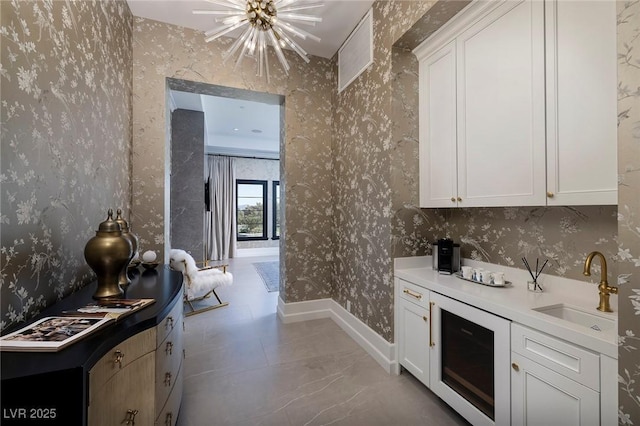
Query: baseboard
x=258, y=252
x=382, y=351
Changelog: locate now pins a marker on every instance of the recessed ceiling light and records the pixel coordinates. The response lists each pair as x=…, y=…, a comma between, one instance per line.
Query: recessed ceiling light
x=235, y=129
x=256, y=131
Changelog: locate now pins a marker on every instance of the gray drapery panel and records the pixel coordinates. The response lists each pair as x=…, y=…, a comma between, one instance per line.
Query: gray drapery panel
x=220, y=221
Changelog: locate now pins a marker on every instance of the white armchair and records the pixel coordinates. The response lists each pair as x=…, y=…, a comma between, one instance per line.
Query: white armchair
x=199, y=283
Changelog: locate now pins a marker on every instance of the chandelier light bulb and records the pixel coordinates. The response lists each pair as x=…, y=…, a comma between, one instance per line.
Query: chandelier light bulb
x=263, y=22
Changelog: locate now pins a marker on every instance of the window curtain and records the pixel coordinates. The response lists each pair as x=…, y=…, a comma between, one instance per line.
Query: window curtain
x=220, y=220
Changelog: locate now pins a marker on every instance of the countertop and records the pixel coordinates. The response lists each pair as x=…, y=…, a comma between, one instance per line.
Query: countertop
x=516, y=303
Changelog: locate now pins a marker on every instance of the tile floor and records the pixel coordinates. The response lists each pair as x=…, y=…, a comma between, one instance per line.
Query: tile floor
x=244, y=367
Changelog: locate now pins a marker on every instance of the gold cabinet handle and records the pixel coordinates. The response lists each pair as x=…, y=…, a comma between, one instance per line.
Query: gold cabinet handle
x=453, y=199
x=168, y=419
x=130, y=419
x=167, y=379
x=412, y=294
x=459, y=199
x=515, y=366
x=550, y=194
x=169, y=349
x=431, y=344
x=425, y=318
x=119, y=355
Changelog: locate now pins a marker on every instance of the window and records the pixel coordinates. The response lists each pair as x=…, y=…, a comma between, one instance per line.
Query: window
x=252, y=209
x=276, y=209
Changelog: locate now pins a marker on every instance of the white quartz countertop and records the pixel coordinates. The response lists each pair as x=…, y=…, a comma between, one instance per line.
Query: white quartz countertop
x=516, y=303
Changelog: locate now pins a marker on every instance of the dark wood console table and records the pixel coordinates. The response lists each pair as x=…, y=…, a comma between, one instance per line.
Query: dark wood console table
x=54, y=388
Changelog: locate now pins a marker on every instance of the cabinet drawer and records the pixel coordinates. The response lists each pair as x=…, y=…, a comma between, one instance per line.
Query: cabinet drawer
x=118, y=358
x=171, y=321
x=168, y=360
x=414, y=293
x=125, y=396
x=570, y=360
x=169, y=414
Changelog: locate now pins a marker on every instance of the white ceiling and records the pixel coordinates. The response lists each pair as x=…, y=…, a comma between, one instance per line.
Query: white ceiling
x=339, y=18
x=235, y=126
x=224, y=115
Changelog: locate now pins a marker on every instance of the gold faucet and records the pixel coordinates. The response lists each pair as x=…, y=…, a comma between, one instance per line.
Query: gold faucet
x=604, y=289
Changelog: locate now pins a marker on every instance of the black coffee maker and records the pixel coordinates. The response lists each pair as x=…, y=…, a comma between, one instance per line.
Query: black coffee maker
x=446, y=256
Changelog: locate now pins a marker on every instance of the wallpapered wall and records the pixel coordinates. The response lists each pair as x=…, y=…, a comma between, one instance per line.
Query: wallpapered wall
x=363, y=152
x=66, y=103
x=162, y=51
x=629, y=210
x=66, y=80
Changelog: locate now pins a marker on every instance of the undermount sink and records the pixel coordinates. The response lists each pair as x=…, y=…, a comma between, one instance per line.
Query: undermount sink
x=578, y=316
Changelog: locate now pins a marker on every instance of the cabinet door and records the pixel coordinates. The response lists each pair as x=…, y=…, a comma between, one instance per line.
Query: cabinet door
x=500, y=101
x=128, y=395
x=414, y=339
x=581, y=102
x=438, y=171
x=540, y=396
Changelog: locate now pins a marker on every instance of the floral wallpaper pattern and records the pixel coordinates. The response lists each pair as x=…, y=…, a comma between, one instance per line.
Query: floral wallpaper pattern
x=163, y=51
x=66, y=79
x=348, y=162
x=629, y=211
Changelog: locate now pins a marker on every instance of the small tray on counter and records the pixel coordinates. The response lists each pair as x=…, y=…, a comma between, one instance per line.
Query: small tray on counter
x=505, y=284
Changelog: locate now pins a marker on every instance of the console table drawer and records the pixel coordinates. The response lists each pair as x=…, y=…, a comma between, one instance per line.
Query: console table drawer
x=169, y=414
x=171, y=321
x=119, y=358
x=168, y=360
x=125, y=397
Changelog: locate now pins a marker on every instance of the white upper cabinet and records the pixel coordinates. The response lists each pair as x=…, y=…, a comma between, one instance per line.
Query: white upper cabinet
x=437, y=149
x=581, y=103
x=501, y=108
x=499, y=126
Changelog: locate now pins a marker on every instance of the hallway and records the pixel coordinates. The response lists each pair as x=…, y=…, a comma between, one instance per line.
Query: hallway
x=244, y=367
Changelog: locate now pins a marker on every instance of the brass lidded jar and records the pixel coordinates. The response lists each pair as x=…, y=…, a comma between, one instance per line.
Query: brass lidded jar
x=107, y=254
x=123, y=278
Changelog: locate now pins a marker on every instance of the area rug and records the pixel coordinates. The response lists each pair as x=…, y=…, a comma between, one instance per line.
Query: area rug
x=270, y=274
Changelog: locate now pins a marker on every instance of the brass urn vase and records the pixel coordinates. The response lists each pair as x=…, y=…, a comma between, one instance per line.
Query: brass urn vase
x=107, y=254
x=123, y=278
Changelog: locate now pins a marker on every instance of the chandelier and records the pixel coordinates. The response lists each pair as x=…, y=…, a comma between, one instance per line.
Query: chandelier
x=264, y=22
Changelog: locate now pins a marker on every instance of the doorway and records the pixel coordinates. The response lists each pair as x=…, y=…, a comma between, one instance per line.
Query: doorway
x=211, y=122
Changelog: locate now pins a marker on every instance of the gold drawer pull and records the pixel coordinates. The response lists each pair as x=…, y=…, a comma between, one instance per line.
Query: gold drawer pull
x=168, y=419
x=169, y=349
x=515, y=366
x=412, y=294
x=167, y=379
x=119, y=355
x=131, y=418
x=169, y=322
x=425, y=318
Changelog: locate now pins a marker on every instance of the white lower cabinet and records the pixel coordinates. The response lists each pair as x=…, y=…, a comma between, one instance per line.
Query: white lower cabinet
x=413, y=330
x=540, y=396
x=553, y=381
x=414, y=339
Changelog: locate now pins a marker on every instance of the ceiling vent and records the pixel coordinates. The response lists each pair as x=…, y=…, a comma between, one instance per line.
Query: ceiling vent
x=356, y=54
